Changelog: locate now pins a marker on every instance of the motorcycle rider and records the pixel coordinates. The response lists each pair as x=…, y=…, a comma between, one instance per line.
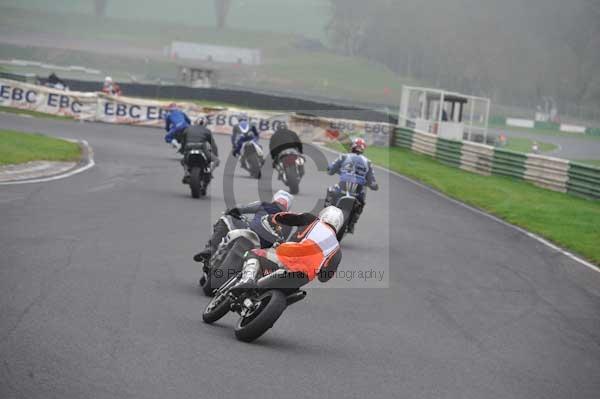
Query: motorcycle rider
x=312, y=251
x=111, y=88
x=357, y=168
x=243, y=132
x=261, y=223
x=176, y=121
x=283, y=139
x=200, y=136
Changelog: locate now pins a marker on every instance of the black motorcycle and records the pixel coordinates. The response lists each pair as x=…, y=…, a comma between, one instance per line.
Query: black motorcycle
x=227, y=260
x=346, y=200
x=258, y=309
x=290, y=167
x=252, y=159
x=197, y=164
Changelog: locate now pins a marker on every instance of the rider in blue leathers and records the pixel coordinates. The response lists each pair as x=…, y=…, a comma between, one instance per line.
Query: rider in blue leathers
x=176, y=121
x=353, y=168
x=242, y=133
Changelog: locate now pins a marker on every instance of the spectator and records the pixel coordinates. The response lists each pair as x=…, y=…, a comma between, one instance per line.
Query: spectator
x=110, y=87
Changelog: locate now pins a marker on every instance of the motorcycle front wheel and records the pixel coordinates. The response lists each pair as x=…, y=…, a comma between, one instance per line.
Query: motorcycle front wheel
x=292, y=179
x=271, y=305
x=218, y=307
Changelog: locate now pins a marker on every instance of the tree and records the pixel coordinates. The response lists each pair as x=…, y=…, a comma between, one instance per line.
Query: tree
x=100, y=7
x=222, y=9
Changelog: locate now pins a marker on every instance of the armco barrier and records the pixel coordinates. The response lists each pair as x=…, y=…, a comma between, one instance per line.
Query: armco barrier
x=403, y=138
x=424, y=143
x=449, y=151
x=548, y=172
x=509, y=163
x=477, y=158
x=584, y=180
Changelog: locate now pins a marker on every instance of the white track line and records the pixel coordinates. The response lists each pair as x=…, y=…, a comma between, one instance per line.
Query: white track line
x=90, y=164
x=489, y=216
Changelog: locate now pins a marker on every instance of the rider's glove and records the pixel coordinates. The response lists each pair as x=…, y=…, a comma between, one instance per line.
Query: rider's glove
x=235, y=212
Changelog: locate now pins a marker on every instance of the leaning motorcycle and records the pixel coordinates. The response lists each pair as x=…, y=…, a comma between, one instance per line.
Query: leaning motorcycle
x=227, y=260
x=290, y=167
x=198, y=167
x=258, y=309
x=345, y=199
x=252, y=158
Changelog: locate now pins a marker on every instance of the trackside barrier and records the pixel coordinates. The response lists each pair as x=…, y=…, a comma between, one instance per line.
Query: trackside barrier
x=477, y=158
x=509, y=163
x=100, y=107
x=584, y=180
x=548, y=172
x=403, y=138
x=425, y=143
x=449, y=152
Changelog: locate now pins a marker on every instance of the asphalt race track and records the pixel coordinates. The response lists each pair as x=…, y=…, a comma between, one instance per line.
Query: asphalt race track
x=98, y=294
x=573, y=148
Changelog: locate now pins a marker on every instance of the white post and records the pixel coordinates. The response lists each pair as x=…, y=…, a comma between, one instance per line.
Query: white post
x=487, y=120
x=471, y=118
x=403, y=111
x=440, y=113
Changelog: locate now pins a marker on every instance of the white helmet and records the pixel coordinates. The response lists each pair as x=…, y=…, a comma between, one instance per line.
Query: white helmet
x=333, y=216
x=108, y=79
x=284, y=198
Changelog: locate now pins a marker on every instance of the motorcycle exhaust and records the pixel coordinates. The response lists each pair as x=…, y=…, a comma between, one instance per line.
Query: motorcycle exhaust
x=295, y=297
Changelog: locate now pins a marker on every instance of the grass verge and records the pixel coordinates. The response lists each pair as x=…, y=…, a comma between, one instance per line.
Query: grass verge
x=592, y=162
x=546, y=132
x=18, y=147
x=33, y=113
x=570, y=222
x=520, y=144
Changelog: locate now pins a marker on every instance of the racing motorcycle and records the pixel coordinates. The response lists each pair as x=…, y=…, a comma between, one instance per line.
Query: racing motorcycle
x=258, y=309
x=199, y=169
x=290, y=166
x=252, y=158
x=345, y=199
x=228, y=258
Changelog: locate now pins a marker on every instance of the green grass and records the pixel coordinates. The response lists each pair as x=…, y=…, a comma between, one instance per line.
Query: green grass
x=569, y=221
x=593, y=162
x=18, y=147
x=546, y=132
x=285, y=65
x=310, y=17
x=524, y=145
x=33, y=113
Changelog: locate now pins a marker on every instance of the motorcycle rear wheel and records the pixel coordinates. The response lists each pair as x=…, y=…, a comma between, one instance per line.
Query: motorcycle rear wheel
x=251, y=327
x=196, y=182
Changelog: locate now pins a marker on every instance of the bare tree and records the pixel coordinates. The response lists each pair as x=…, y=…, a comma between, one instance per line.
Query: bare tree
x=222, y=9
x=100, y=7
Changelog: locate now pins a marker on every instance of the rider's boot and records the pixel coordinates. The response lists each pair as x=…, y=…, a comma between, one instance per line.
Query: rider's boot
x=249, y=274
x=203, y=255
x=186, y=177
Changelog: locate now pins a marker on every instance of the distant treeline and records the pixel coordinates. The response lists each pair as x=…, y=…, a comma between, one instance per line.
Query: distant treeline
x=510, y=50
